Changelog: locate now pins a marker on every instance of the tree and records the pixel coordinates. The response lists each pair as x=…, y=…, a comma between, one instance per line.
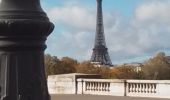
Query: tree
x=157, y=67
x=124, y=72
x=87, y=67
x=105, y=72
x=55, y=66
x=51, y=63
x=68, y=65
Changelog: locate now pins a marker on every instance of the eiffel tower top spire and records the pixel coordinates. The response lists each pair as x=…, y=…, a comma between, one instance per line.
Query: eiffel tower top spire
x=100, y=39
x=100, y=54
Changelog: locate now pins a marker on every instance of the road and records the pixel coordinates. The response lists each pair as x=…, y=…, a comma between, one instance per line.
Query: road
x=94, y=97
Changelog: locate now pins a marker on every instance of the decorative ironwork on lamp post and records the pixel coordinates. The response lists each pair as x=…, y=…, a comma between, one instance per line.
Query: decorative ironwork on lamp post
x=24, y=28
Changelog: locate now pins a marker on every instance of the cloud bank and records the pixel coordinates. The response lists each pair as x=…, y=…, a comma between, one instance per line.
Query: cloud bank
x=132, y=39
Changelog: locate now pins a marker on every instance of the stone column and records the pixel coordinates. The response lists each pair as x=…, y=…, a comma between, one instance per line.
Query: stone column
x=24, y=28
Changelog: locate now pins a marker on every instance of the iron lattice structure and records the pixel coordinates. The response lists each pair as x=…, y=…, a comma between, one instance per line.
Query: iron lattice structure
x=100, y=54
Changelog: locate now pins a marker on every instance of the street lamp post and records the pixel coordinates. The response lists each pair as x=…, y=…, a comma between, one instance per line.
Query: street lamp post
x=24, y=28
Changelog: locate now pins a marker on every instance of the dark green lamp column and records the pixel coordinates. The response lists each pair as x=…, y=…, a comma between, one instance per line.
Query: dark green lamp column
x=24, y=28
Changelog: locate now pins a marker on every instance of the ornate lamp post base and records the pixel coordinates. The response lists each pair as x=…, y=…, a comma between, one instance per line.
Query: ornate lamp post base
x=24, y=28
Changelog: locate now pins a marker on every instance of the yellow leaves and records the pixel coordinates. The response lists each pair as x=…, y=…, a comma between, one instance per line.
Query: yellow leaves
x=124, y=72
x=157, y=67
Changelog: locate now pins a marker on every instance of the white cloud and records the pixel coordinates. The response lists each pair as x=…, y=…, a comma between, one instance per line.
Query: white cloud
x=73, y=16
x=153, y=20
x=154, y=12
x=144, y=34
x=78, y=38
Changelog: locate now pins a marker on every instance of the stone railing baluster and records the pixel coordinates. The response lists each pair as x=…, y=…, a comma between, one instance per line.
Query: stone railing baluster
x=130, y=87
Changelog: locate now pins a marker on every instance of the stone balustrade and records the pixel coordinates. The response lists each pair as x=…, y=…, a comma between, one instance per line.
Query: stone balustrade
x=113, y=87
x=100, y=87
x=97, y=86
x=148, y=88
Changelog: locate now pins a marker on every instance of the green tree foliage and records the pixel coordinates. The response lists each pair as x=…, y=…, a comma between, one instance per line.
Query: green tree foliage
x=157, y=68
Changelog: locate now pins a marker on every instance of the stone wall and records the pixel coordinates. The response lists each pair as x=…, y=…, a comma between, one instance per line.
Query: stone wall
x=66, y=83
x=94, y=85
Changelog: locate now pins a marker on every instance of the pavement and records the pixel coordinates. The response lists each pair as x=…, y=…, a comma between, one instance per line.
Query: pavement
x=98, y=97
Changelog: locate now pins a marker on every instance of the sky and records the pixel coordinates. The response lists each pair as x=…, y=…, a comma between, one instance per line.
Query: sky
x=135, y=30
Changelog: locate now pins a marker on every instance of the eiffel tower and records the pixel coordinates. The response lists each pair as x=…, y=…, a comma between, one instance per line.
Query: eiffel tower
x=100, y=55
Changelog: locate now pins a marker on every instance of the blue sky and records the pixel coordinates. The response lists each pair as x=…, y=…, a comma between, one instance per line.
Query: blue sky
x=125, y=7
x=135, y=30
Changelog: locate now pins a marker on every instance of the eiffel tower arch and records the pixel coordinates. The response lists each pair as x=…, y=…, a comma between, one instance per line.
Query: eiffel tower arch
x=100, y=55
